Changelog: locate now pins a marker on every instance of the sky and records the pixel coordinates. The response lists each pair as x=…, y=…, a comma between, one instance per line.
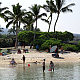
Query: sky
x=67, y=21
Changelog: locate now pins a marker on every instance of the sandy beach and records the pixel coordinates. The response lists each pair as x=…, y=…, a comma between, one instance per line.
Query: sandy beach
x=38, y=56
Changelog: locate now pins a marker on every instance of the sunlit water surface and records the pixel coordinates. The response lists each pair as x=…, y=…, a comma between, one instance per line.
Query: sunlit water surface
x=62, y=71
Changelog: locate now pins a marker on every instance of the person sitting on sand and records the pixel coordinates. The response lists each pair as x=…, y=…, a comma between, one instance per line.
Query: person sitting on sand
x=27, y=50
x=24, y=51
x=3, y=53
x=62, y=49
x=56, y=51
x=19, y=51
x=13, y=61
x=51, y=66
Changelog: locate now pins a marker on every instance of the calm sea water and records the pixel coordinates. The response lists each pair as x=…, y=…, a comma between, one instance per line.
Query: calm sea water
x=62, y=71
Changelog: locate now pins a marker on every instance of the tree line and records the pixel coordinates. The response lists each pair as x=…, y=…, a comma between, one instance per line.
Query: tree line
x=28, y=18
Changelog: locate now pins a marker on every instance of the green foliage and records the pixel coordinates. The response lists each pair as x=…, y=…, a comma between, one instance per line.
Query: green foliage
x=52, y=42
x=26, y=36
x=37, y=42
x=65, y=36
x=3, y=36
x=74, y=42
x=45, y=39
x=44, y=35
x=69, y=47
x=78, y=45
x=6, y=42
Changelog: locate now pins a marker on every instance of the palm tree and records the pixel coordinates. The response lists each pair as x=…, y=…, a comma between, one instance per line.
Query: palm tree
x=15, y=18
x=35, y=10
x=12, y=30
x=29, y=25
x=3, y=12
x=59, y=7
x=49, y=8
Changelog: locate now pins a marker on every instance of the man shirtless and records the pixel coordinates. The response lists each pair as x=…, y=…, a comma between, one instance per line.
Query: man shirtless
x=43, y=64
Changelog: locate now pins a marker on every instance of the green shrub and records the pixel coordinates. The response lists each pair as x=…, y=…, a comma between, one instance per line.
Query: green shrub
x=52, y=42
x=26, y=36
x=6, y=42
x=69, y=47
x=37, y=42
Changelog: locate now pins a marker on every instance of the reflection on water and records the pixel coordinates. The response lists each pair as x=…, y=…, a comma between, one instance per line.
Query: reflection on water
x=62, y=71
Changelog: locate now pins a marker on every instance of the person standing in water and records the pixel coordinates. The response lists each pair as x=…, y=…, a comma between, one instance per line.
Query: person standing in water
x=23, y=59
x=43, y=64
x=51, y=66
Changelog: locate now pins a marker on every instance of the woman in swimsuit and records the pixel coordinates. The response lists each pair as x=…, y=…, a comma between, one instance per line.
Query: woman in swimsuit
x=51, y=65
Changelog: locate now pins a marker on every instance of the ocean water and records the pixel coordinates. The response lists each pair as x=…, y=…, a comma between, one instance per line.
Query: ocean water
x=62, y=71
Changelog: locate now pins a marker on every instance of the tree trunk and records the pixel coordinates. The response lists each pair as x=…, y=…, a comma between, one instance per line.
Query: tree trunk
x=16, y=44
x=55, y=24
x=32, y=27
x=35, y=29
x=50, y=23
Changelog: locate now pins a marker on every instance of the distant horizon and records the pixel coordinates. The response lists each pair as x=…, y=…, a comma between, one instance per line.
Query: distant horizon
x=6, y=32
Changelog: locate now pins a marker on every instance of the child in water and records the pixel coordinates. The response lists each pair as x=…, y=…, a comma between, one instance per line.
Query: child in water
x=23, y=59
x=13, y=62
x=51, y=66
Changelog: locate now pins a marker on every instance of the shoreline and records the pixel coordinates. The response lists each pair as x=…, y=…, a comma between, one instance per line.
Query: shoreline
x=38, y=56
x=33, y=57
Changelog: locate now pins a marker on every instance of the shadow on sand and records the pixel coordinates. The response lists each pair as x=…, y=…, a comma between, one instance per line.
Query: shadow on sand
x=55, y=56
x=59, y=57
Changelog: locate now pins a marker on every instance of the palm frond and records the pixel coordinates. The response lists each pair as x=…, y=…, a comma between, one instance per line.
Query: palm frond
x=9, y=23
x=43, y=14
x=2, y=9
x=45, y=20
x=0, y=3
x=65, y=9
x=70, y=5
x=35, y=9
x=9, y=13
x=58, y=4
x=24, y=21
x=2, y=15
x=46, y=7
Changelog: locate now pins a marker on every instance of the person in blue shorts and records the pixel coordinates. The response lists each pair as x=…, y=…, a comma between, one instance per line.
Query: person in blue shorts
x=37, y=47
